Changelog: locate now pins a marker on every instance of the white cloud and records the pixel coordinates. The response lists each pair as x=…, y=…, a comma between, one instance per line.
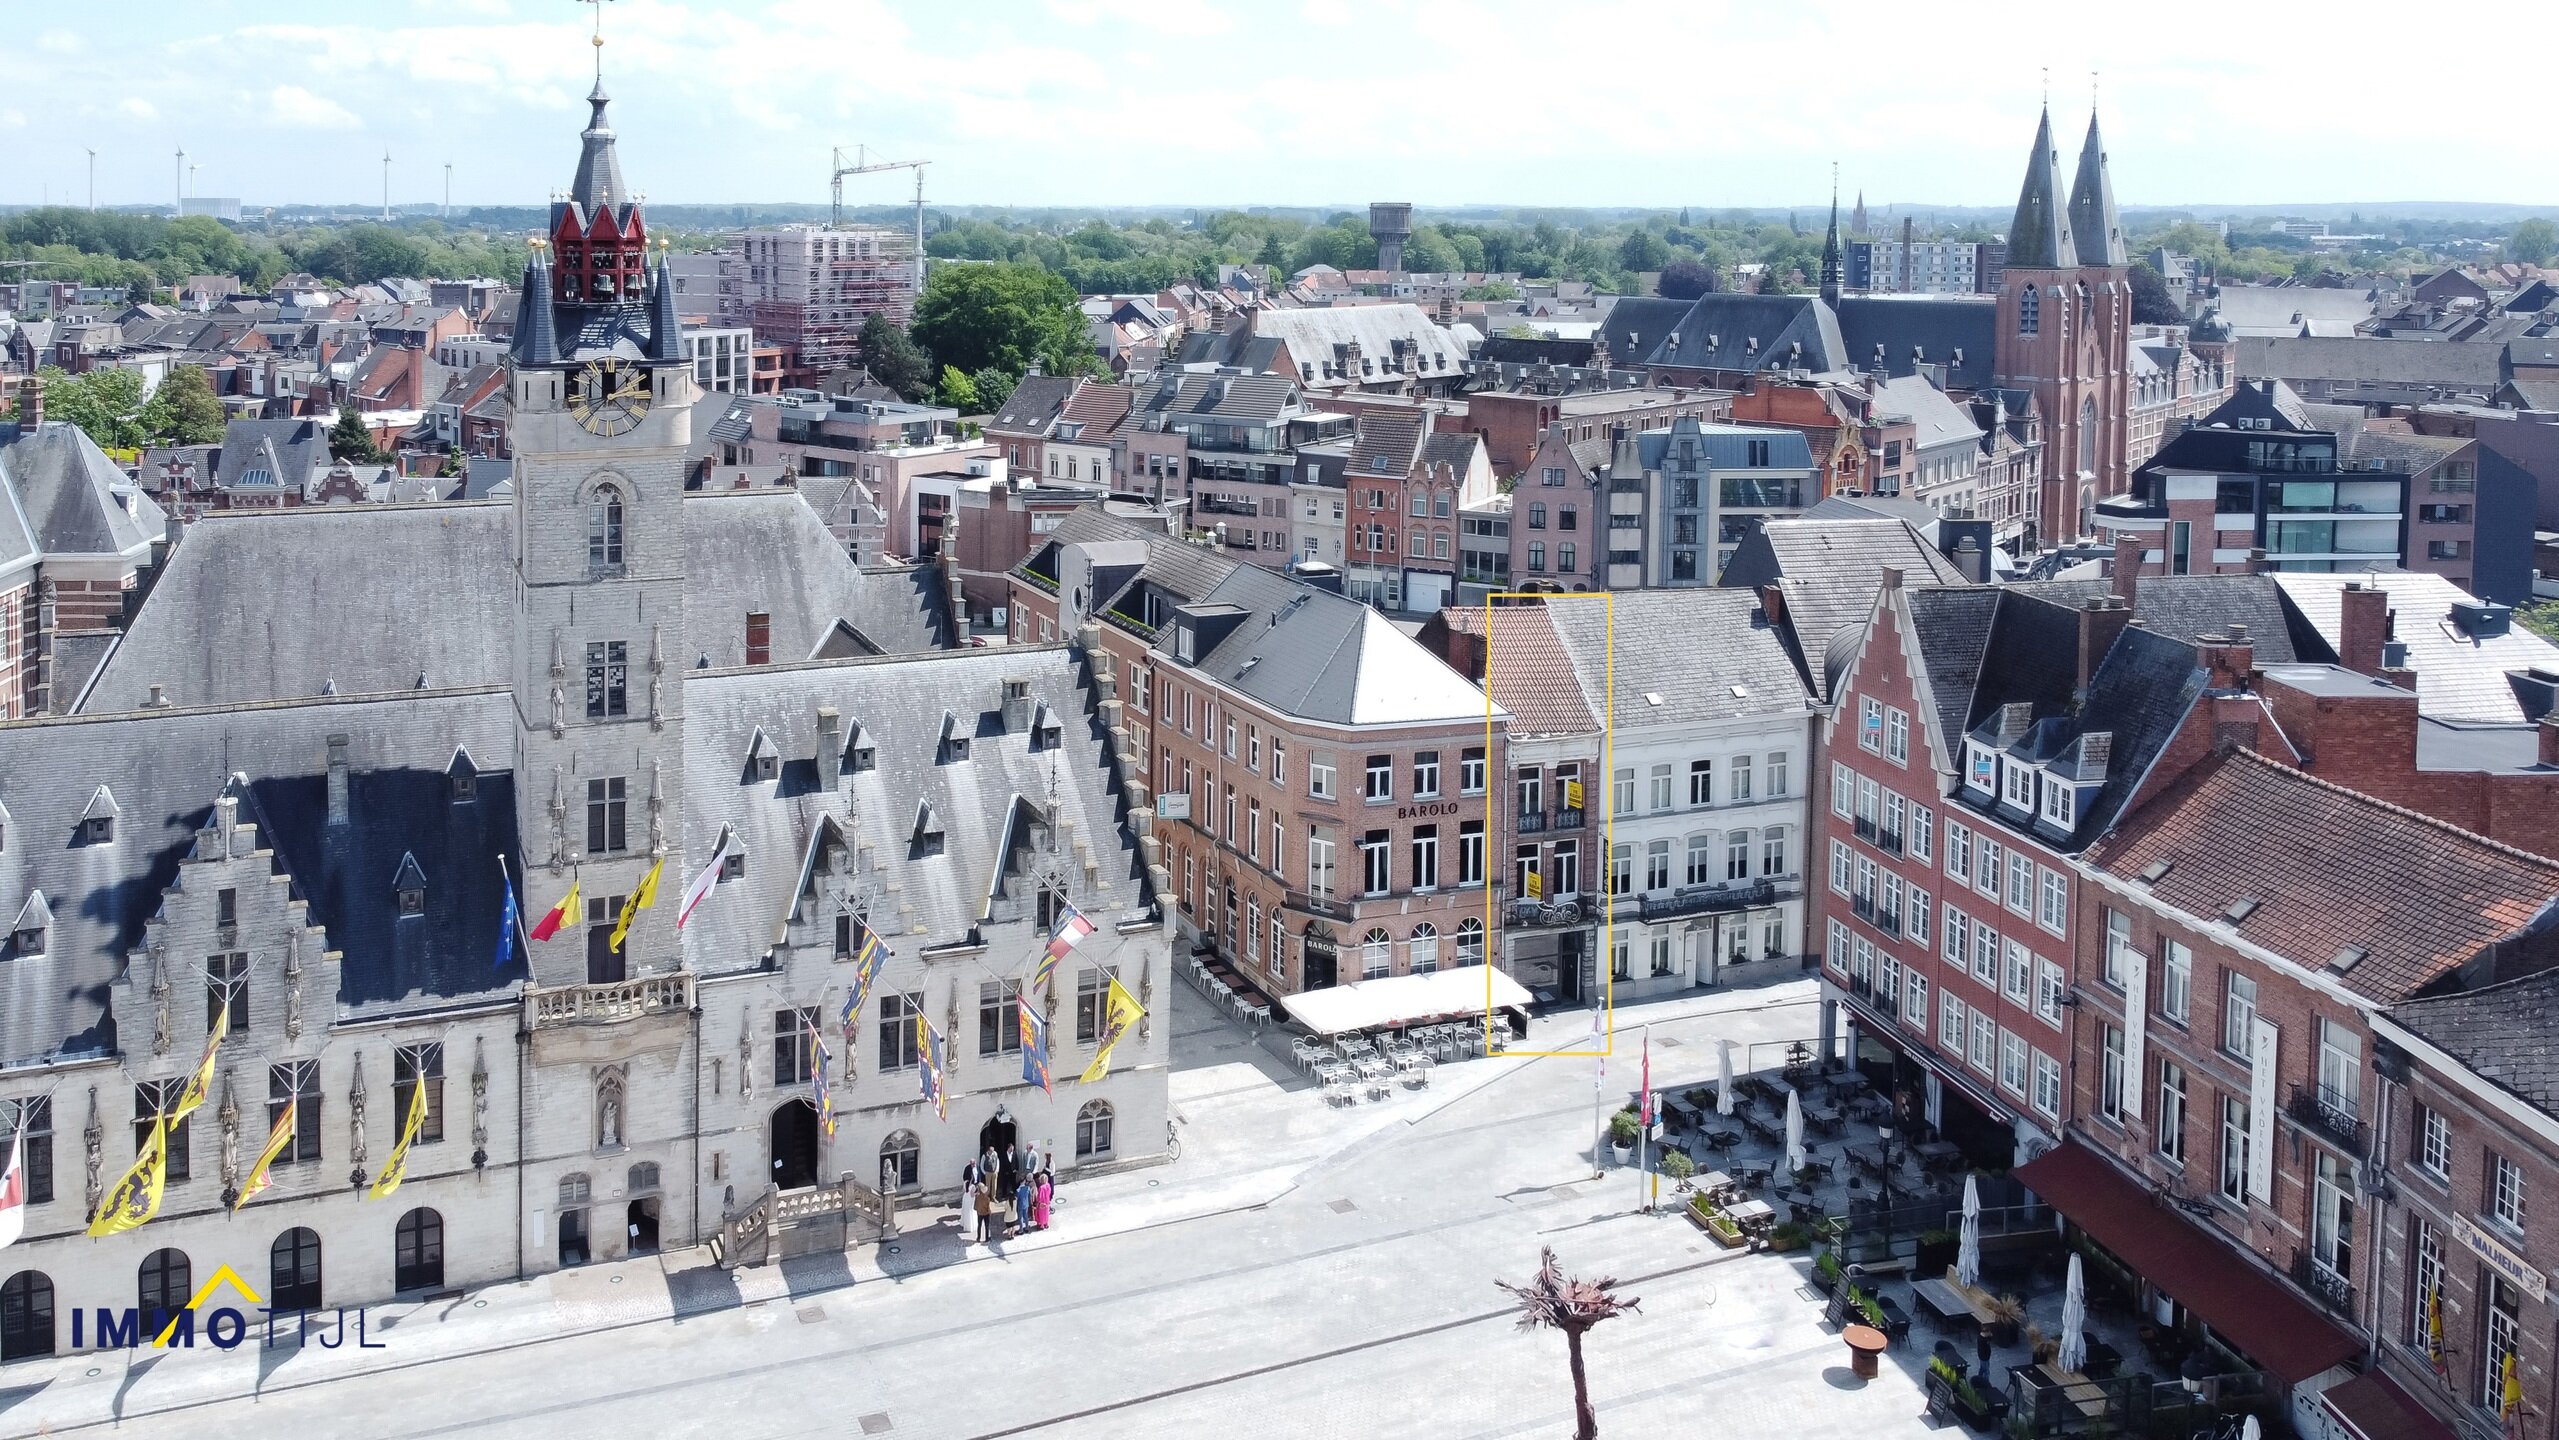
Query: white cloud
x=58, y=42
x=292, y=105
x=138, y=108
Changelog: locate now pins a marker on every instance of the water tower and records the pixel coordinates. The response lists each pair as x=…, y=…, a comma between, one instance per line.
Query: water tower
x=1390, y=223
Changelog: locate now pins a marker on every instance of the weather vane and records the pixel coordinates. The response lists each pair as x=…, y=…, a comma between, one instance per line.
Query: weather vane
x=598, y=6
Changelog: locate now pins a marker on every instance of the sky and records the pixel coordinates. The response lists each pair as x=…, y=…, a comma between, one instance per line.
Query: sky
x=1229, y=102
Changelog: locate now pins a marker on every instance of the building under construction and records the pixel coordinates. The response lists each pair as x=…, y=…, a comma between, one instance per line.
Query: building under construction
x=808, y=288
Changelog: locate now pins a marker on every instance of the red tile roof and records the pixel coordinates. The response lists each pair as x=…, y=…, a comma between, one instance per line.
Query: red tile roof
x=2328, y=869
x=1531, y=677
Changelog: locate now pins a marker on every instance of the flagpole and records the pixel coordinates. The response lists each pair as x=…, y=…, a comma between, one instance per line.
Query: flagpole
x=522, y=935
x=1643, y=1117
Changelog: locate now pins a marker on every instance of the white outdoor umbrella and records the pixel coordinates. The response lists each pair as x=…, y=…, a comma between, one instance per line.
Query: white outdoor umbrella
x=2251, y=1430
x=1794, y=1132
x=2074, y=1320
x=1968, y=1249
x=1724, y=1077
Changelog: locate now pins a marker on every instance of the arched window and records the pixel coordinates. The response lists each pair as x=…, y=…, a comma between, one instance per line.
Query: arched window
x=1425, y=948
x=604, y=531
x=1470, y=941
x=417, y=1251
x=2088, y=437
x=26, y=1315
x=293, y=1270
x=2029, y=311
x=576, y=1189
x=901, y=1157
x=643, y=1178
x=167, y=1282
x=1375, y=948
x=1093, y=1130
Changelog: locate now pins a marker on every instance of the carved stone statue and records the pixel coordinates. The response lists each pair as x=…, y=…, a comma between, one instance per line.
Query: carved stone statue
x=608, y=1109
x=159, y=999
x=293, y=984
x=559, y=712
x=1145, y=1002
x=657, y=711
x=95, y=1139
x=355, y=1115
x=746, y=1063
x=230, y=1113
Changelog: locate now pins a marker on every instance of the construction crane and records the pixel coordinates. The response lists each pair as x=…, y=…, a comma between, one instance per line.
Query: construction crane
x=863, y=164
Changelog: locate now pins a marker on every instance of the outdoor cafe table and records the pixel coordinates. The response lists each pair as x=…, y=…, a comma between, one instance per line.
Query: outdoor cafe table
x=1865, y=1342
x=2075, y=1388
x=1751, y=1214
x=1944, y=1301
x=1714, y=1184
x=1936, y=1153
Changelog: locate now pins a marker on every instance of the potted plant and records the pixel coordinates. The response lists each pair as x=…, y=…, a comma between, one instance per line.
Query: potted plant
x=1622, y=1133
x=1826, y=1271
x=1788, y=1236
x=1677, y=1167
x=1867, y=1310
x=1714, y=1222
x=2007, y=1312
x=1948, y=1387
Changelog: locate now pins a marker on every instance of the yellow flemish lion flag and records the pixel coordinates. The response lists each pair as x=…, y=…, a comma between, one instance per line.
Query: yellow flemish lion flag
x=200, y=1084
x=1122, y=1014
x=136, y=1197
x=641, y=899
x=396, y=1168
x=279, y=1140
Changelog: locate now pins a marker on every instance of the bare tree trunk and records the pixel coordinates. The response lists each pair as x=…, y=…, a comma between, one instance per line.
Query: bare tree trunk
x=1585, y=1420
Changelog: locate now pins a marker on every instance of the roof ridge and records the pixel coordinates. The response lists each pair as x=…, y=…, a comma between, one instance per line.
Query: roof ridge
x=2538, y=862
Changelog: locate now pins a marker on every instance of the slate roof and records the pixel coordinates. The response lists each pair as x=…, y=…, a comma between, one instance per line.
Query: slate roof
x=1262, y=398
x=1034, y=405
x=370, y=599
x=2094, y=224
x=2331, y=869
x=1829, y=571
x=2039, y=235
x=74, y=500
x=2508, y=1035
x=2189, y=607
x=289, y=450
x=2479, y=368
x=1317, y=336
x=1938, y=420
x=1911, y=330
x=165, y=769
x=1951, y=624
x=2458, y=677
x=896, y=707
x=1677, y=657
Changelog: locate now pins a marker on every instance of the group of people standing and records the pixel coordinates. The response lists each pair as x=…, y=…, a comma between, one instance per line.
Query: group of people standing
x=1012, y=1187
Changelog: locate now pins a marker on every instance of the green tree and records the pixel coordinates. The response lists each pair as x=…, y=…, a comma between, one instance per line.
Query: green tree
x=2151, y=302
x=893, y=359
x=1642, y=250
x=958, y=391
x=1002, y=317
x=993, y=387
x=2532, y=241
x=1687, y=279
x=183, y=411
x=105, y=403
x=350, y=440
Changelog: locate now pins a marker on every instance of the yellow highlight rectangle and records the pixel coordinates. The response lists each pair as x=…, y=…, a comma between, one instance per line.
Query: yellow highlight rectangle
x=1608, y=826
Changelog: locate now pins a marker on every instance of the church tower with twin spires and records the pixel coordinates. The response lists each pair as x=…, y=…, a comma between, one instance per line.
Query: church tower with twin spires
x=2065, y=328
x=603, y=400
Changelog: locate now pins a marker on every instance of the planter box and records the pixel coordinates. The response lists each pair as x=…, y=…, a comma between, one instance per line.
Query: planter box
x=1725, y=1232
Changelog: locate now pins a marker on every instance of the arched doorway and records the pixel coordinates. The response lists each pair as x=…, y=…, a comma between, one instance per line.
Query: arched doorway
x=640, y=1218
x=26, y=1315
x=998, y=1135
x=793, y=1132
x=1321, y=956
x=293, y=1270
x=417, y=1251
x=167, y=1281
x=576, y=1192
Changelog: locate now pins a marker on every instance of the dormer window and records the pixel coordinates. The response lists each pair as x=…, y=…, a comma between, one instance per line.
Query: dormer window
x=27, y=933
x=409, y=888
x=955, y=741
x=763, y=762
x=862, y=758
x=2020, y=786
x=928, y=830
x=1981, y=771
x=2060, y=804
x=97, y=830
x=733, y=865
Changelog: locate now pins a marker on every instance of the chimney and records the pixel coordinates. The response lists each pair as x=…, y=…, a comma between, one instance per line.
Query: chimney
x=1017, y=707
x=2129, y=546
x=830, y=747
x=2363, y=626
x=2230, y=660
x=2015, y=719
x=48, y=617
x=337, y=779
x=1892, y=577
x=1772, y=603
x=2101, y=619
x=2548, y=730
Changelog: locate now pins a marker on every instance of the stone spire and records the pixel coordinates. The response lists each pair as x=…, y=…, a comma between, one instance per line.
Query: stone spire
x=2039, y=237
x=1831, y=259
x=598, y=185
x=2093, y=221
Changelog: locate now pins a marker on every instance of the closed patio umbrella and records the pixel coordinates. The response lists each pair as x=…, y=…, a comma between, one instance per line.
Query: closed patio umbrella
x=1794, y=1132
x=1968, y=1248
x=1724, y=1077
x=2074, y=1320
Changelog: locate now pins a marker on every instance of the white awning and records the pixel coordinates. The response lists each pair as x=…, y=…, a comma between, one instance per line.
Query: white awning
x=1458, y=994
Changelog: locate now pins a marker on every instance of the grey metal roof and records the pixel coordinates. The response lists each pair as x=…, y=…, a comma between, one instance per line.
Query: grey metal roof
x=74, y=500
x=1034, y=405
x=2039, y=235
x=1938, y=420
x=1679, y=656
x=2094, y=225
x=598, y=183
x=1898, y=333
x=289, y=450
x=896, y=707
x=165, y=769
x=379, y=599
x=2480, y=368
x=2459, y=677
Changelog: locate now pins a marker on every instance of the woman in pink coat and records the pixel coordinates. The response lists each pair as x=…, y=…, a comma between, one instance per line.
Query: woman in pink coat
x=1041, y=1191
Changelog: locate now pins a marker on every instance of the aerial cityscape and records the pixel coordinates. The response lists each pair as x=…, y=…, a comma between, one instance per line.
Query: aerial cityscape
x=1805, y=762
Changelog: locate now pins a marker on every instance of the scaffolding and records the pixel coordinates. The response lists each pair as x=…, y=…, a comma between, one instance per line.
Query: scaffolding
x=809, y=288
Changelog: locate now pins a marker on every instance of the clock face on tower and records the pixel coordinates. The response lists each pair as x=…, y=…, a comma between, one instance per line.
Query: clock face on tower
x=609, y=397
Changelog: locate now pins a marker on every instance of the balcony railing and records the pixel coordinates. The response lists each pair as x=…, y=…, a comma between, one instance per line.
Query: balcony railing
x=2323, y=1284
x=1568, y=819
x=1888, y=841
x=1532, y=822
x=1549, y=914
x=2329, y=1115
x=609, y=1002
x=1866, y=829
x=1319, y=902
x=1707, y=899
